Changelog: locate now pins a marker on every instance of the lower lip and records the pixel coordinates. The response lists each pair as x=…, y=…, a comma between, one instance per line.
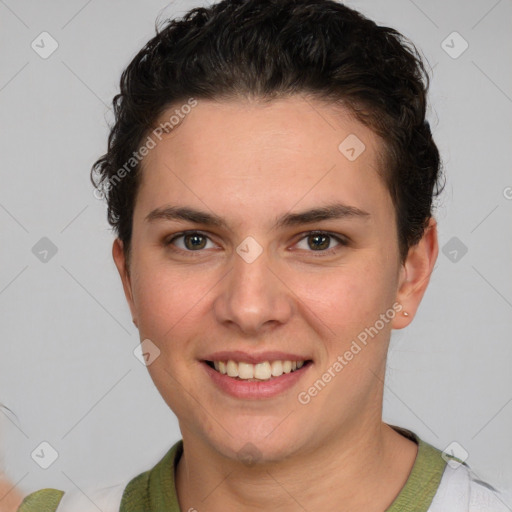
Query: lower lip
x=253, y=389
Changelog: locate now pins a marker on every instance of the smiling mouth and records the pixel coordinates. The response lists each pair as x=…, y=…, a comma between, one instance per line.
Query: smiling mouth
x=264, y=371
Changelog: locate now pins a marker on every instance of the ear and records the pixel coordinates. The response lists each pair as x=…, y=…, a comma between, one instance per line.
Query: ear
x=124, y=273
x=415, y=275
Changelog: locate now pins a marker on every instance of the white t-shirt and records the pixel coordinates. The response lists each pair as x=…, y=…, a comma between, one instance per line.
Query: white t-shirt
x=461, y=491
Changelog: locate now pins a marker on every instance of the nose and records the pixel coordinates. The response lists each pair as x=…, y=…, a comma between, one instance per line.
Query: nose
x=252, y=297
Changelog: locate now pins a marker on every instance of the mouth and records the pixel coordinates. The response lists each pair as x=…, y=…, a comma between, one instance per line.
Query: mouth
x=263, y=371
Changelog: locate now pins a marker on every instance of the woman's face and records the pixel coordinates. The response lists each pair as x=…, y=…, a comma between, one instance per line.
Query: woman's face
x=250, y=283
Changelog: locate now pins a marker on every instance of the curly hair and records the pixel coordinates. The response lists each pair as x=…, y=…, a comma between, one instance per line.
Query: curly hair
x=271, y=49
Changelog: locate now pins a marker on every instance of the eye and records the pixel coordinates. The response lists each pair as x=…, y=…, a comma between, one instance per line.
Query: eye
x=190, y=241
x=313, y=241
x=321, y=241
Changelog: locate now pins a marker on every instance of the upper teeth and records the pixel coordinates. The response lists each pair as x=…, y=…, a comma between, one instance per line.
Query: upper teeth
x=262, y=371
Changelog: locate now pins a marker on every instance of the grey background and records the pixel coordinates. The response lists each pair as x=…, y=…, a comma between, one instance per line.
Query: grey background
x=67, y=369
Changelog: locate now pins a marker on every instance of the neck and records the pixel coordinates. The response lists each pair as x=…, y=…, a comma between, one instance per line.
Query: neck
x=364, y=469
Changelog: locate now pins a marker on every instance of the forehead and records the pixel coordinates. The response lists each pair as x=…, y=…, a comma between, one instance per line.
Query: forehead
x=244, y=153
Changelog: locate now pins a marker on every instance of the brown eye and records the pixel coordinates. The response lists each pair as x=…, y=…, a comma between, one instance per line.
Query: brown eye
x=321, y=242
x=192, y=241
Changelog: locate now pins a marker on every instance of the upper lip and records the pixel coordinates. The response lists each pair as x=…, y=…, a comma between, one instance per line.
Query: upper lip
x=254, y=358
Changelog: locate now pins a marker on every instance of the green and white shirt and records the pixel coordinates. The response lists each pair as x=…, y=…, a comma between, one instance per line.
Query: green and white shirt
x=433, y=486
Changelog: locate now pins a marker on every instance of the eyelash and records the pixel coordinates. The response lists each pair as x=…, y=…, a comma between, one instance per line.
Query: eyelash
x=342, y=241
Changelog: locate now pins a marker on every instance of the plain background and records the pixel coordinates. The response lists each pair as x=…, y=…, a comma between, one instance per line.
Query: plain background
x=67, y=368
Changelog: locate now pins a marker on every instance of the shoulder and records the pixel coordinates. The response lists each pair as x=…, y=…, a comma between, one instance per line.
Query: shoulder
x=483, y=497
x=44, y=500
x=460, y=490
x=106, y=499
x=136, y=494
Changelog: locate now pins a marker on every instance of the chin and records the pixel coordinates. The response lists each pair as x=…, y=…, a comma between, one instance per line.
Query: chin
x=256, y=446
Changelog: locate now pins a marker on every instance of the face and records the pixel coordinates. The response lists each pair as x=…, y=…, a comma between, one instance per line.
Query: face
x=260, y=247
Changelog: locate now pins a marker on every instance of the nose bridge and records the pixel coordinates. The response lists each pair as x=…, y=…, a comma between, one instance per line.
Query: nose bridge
x=252, y=296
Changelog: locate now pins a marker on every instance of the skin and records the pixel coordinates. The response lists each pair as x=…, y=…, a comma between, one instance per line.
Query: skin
x=250, y=163
x=10, y=497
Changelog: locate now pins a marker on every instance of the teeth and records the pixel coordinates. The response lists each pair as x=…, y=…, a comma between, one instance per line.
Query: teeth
x=245, y=370
x=260, y=371
x=276, y=368
x=232, y=369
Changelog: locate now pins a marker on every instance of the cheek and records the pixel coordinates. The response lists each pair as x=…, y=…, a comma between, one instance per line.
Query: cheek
x=163, y=298
x=346, y=299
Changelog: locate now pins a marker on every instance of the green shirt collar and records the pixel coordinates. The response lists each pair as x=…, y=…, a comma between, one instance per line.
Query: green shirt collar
x=155, y=490
x=424, y=479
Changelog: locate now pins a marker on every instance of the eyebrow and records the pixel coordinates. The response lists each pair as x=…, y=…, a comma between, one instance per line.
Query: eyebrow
x=327, y=212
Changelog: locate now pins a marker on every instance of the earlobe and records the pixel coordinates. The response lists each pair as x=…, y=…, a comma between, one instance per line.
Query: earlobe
x=124, y=273
x=415, y=275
